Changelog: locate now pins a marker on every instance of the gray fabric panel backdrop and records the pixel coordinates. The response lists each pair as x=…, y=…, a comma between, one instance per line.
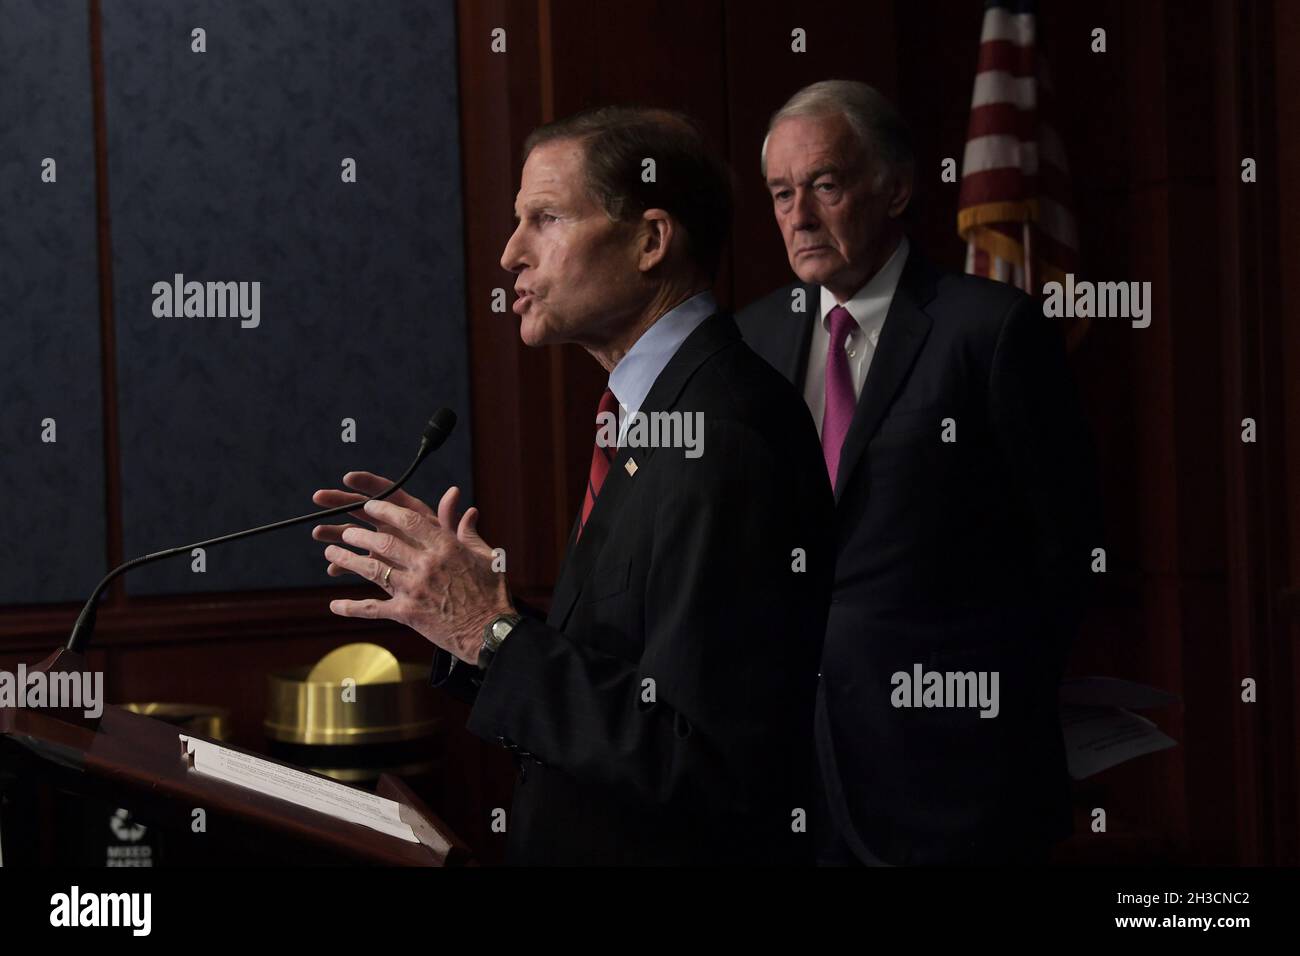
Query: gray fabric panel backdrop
x=225, y=167
x=49, y=307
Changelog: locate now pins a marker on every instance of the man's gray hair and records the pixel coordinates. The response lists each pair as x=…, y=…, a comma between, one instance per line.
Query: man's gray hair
x=878, y=125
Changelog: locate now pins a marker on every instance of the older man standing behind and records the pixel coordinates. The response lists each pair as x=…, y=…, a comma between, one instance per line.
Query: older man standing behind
x=663, y=711
x=964, y=504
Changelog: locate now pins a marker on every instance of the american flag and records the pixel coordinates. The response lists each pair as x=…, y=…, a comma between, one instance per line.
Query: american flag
x=1014, y=210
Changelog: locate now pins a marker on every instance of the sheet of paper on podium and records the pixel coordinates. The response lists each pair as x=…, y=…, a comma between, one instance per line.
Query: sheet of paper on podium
x=297, y=787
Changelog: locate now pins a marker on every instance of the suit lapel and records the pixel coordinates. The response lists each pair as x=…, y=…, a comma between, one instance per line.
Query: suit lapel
x=792, y=355
x=713, y=333
x=906, y=326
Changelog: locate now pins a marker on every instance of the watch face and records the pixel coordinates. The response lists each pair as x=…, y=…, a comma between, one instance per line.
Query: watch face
x=500, y=628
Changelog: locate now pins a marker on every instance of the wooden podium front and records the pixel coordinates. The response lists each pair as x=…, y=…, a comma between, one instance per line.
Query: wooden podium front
x=135, y=761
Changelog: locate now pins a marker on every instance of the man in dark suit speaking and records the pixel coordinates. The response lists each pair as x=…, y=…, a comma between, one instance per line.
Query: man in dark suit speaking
x=964, y=505
x=662, y=713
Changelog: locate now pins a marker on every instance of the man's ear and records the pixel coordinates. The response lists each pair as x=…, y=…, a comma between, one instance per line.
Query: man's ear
x=655, y=237
x=900, y=193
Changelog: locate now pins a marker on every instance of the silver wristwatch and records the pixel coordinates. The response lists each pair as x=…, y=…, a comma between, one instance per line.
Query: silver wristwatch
x=494, y=634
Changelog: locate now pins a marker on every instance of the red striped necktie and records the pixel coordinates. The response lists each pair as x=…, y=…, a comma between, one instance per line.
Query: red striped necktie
x=601, y=458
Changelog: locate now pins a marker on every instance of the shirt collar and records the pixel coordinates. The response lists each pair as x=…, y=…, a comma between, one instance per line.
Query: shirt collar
x=870, y=304
x=637, y=370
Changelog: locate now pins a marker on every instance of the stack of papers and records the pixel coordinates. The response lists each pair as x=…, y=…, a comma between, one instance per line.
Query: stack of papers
x=1100, y=727
x=297, y=787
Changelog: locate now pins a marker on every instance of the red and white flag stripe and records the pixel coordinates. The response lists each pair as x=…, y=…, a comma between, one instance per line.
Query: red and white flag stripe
x=1015, y=209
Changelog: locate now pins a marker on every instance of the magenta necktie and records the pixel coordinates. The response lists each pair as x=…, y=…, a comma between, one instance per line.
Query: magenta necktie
x=840, y=400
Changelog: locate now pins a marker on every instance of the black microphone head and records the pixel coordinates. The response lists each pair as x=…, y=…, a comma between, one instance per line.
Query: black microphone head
x=439, y=428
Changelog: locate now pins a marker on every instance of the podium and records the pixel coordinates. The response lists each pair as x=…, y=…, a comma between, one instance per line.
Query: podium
x=136, y=761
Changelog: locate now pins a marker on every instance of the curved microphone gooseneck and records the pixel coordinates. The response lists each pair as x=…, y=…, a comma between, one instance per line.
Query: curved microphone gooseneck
x=436, y=432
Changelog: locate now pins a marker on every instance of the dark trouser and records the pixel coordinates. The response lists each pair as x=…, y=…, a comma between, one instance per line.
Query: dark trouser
x=834, y=850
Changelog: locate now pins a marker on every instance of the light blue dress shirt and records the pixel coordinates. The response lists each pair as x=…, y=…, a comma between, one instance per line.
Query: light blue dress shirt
x=635, y=374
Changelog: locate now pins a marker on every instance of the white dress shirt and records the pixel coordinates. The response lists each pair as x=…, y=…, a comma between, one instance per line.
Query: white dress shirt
x=869, y=306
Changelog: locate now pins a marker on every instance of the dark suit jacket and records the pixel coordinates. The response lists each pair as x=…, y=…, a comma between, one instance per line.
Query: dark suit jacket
x=969, y=555
x=683, y=576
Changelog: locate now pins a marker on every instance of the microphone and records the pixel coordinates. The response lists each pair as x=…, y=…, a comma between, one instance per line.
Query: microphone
x=436, y=432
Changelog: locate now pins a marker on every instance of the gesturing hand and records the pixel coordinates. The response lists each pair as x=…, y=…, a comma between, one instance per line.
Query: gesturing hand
x=436, y=566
